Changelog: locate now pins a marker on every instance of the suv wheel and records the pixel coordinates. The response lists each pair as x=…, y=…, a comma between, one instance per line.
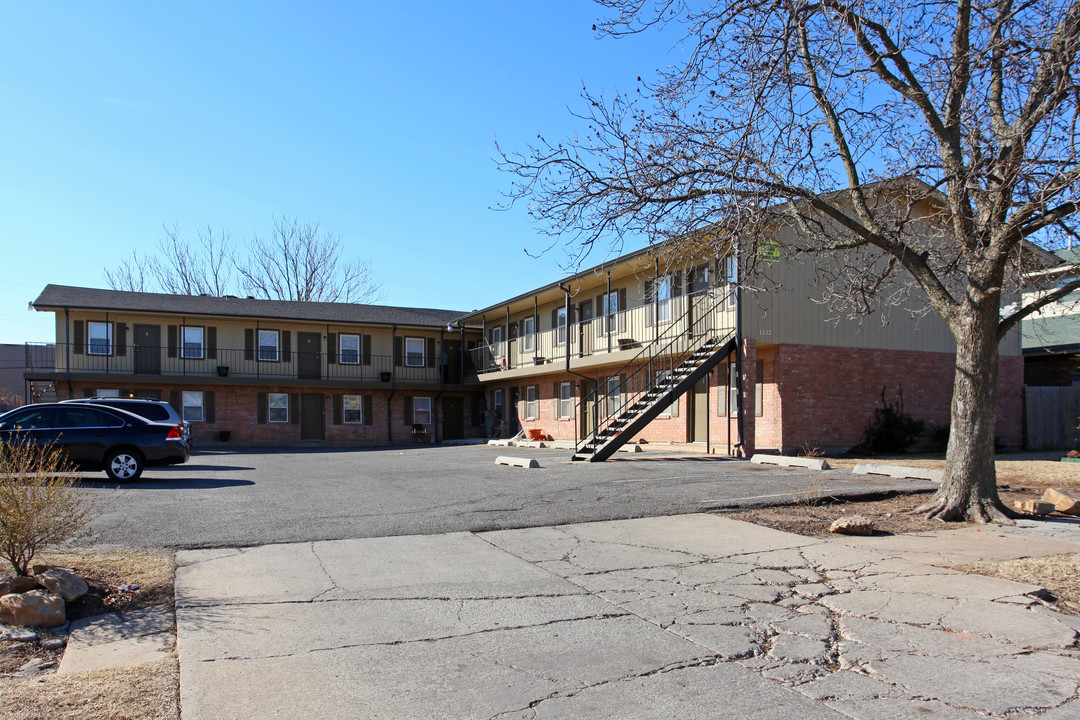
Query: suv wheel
x=123, y=465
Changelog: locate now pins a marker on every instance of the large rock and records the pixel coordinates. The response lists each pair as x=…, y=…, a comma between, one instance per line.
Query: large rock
x=16, y=584
x=1033, y=507
x=64, y=583
x=852, y=525
x=1063, y=502
x=37, y=607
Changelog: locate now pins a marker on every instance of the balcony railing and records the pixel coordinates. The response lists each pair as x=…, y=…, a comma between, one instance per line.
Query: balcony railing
x=629, y=329
x=150, y=361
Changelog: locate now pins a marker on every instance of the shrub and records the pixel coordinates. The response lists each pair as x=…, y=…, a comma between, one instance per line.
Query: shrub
x=40, y=503
x=891, y=430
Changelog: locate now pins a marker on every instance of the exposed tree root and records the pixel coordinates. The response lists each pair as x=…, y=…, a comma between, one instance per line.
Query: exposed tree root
x=981, y=510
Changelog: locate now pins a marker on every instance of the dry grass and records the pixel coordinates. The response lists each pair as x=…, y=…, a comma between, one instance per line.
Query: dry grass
x=1033, y=470
x=141, y=692
x=1060, y=574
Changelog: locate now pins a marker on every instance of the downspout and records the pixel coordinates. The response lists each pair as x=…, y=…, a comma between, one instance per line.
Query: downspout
x=67, y=353
x=607, y=311
x=442, y=389
x=738, y=353
x=393, y=384
x=577, y=420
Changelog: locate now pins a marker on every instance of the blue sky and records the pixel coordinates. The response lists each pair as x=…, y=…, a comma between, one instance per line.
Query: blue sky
x=377, y=120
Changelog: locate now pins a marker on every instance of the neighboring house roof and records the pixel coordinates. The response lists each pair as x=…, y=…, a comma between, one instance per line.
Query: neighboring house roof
x=57, y=297
x=1052, y=333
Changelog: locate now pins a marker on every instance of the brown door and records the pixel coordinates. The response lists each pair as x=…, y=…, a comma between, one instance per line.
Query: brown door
x=453, y=418
x=588, y=414
x=312, y=417
x=699, y=416
x=308, y=357
x=585, y=328
x=148, y=349
x=451, y=368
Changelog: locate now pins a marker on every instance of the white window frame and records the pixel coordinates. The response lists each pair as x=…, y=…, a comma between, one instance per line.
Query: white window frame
x=560, y=326
x=198, y=350
x=528, y=334
x=276, y=345
x=565, y=401
x=279, y=402
x=357, y=412
x=195, y=401
x=421, y=405
x=731, y=274
x=344, y=340
x=613, y=395
x=498, y=404
x=662, y=376
x=532, y=407
x=609, y=321
x=93, y=325
x=663, y=289
x=411, y=356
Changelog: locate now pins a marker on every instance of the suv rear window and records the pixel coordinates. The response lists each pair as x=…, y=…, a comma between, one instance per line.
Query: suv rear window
x=148, y=410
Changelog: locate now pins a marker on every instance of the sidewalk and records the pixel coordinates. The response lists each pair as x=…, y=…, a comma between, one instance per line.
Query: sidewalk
x=676, y=617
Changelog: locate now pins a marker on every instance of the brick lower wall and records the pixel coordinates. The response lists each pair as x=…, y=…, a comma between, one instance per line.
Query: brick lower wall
x=236, y=410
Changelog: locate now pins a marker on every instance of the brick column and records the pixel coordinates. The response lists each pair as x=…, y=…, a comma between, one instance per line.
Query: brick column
x=749, y=379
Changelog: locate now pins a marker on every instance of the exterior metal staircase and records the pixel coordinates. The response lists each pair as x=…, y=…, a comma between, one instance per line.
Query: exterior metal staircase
x=660, y=373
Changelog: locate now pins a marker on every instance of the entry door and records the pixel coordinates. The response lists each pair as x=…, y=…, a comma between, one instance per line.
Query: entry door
x=588, y=414
x=452, y=369
x=453, y=419
x=585, y=333
x=308, y=358
x=312, y=418
x=515, y=421
x=699, y=416
x=148, y=349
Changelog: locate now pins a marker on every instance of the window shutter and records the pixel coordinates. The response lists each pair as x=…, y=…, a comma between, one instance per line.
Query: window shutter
x=676, y=284
x=286, y=346
x=408, y=409
x=260, y=408
x=622, y=299
x=339, y=404
x=555, y=394
x=172, y=341
x=88, y=392
x=555, y=319
x=120, y=338
x=398, y=343
x=211, y=343
x=430, y=352
x=78, y=337
x=365, y=349
x=294, y=408
x=369, y=411
x=174, y=400
x=208, y=406
x=332, y=354
x=249, y=345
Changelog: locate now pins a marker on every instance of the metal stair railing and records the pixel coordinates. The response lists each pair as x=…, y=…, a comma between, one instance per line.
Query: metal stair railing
x=657, y=369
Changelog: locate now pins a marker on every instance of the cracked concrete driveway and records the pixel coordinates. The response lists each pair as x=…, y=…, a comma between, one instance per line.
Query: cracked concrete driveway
x=248, y=497
x=666, y=617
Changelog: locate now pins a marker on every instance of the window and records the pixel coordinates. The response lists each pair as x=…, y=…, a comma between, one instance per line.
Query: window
x=664, y=381
x=414, y=352
x=528, y=337
x=35, y=419
x=560, y=326
x=349, y=352
x=279, y=407
x=613, y=396
x=86, y=417
x=663, y=299
x=192, y=402
x=192, y=345
x=532, y=393
x=100, y=338
x=699, y=280
x=421, y=410
x=268, y=348
x=731, y=274
x=732, y=390
x=107, y=392
x=497, y=356
x=609, y=321
x=566, y=400
x=499, y=405
x=353, y=409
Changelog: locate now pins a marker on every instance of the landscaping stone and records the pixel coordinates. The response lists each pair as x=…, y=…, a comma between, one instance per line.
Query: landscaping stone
x=18, y=635
x=1063, y=502
x=64, y=583
x=17, y=584
x=37, y=607
x=852, y=525
x=1033, y=507
x=53, y=643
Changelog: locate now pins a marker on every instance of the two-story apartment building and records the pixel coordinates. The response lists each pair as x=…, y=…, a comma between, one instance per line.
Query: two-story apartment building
x=267, y=370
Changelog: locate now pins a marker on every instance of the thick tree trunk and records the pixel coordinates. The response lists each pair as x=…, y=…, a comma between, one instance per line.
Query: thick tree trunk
x=969, y=488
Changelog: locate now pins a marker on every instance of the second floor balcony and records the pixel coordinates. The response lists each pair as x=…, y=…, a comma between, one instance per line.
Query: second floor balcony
x=274, y=364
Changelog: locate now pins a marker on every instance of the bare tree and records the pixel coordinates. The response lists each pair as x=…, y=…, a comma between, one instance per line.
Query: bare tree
x=298, y=262
x=924, y=147
x=303, y=262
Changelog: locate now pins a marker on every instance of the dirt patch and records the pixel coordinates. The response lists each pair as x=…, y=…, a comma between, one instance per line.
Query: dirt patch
x=142, y=692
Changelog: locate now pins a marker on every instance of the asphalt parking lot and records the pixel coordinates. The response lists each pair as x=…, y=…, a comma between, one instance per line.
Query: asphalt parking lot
x=229, y=497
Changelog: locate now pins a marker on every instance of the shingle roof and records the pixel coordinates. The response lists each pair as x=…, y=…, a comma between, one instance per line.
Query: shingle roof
x=66, y=296
x=1047, y=333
